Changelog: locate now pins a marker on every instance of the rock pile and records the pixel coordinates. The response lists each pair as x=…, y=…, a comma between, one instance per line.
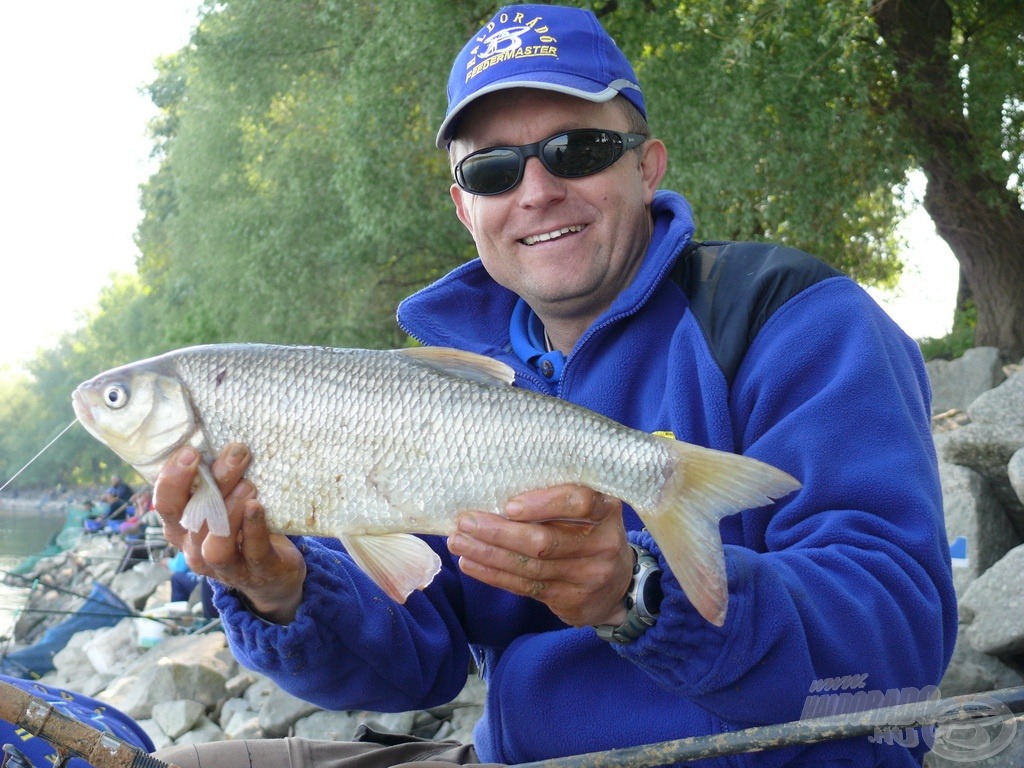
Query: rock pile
x=172, y=671
x=978, y=420
x=187, y=688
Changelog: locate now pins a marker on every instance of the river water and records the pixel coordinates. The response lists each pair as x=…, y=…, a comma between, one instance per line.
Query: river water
x=22, y=533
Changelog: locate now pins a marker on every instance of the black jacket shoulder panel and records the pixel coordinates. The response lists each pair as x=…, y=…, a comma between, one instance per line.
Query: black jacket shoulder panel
x=733, y=289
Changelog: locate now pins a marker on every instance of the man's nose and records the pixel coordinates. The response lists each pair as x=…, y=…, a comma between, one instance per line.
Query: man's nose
x=539, y=186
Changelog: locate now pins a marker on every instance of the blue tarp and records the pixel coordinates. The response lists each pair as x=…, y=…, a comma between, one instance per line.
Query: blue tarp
x=102, y=608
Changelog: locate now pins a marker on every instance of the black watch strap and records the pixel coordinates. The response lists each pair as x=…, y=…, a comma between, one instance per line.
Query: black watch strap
x=643, y=601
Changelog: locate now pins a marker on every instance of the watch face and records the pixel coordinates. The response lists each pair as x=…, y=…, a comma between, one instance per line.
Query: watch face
x=651, y=594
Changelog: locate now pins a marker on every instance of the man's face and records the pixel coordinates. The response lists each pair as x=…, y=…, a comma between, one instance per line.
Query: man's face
x=571, y=277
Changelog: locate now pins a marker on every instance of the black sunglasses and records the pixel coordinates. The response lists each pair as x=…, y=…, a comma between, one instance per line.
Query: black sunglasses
x=570, y=154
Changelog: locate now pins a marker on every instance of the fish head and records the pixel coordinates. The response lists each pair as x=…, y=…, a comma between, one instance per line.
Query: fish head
x=140, y=413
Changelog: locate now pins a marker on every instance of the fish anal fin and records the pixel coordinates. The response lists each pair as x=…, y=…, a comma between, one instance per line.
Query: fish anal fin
x=703, y=487
x=397, y=562
x=465, y=365
x=206, y=505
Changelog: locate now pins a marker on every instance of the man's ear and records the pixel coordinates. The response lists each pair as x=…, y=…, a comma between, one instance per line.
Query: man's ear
x=459, y=196
x=653, y=164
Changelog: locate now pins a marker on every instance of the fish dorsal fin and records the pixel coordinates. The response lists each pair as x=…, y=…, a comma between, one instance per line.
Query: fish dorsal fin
x=465, y=365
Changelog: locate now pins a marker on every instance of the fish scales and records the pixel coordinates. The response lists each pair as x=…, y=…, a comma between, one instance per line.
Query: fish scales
x=372, y=442
x=370, y=446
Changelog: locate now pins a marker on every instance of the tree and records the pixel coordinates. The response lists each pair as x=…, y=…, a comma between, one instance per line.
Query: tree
x=300, y=198
x=798, y=118
x=958, y=90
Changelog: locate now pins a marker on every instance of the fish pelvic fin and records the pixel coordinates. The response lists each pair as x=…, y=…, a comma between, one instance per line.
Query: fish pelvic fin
x=206, y=505
x=397, y=562
x=704, y=486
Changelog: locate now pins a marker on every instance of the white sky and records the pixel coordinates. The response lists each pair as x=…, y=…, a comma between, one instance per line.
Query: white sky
x=74, y=149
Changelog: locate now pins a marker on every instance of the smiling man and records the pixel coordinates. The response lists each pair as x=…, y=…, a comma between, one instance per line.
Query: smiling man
x=592, y=287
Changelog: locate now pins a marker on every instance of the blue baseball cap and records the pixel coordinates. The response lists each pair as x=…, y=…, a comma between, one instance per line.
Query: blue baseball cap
x=549, y=47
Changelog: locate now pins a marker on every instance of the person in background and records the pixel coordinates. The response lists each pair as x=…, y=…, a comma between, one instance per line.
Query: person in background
x=133, y=525
x=117, y=498
x=593, y=287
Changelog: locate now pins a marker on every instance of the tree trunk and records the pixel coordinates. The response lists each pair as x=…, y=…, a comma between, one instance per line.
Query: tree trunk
x=973, y=212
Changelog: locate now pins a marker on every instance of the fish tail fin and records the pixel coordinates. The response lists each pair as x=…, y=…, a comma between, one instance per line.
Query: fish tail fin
x=397, y=562
x=704, y=486
x=206, y=505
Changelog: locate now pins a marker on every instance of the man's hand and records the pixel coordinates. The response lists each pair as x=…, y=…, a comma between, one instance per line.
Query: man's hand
x=565, y=546
x=266, y=568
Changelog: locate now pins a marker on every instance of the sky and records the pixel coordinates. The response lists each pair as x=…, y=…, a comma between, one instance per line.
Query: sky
x=74, y=149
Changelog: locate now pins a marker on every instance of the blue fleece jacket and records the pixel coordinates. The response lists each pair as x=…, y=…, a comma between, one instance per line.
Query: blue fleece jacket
x=848, y=577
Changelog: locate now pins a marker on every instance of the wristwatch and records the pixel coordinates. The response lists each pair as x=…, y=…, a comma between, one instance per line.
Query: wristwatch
x=643, y=601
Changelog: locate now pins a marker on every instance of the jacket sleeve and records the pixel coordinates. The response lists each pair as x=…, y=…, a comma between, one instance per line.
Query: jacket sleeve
x=849, y=577
x=351, y=646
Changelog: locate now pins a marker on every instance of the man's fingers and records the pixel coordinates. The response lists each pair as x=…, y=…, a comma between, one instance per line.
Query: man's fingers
x=173, y=488
x=222, y=551
x=230, y=465
x=561, y=502
x=257, y=548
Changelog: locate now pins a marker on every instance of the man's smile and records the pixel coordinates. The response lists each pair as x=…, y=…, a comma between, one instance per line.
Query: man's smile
x=545, y=236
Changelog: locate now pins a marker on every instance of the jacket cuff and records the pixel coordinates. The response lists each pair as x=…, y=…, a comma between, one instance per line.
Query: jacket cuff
x=682, y=646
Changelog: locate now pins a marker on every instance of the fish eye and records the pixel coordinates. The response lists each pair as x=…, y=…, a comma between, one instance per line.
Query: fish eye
x=116, y=396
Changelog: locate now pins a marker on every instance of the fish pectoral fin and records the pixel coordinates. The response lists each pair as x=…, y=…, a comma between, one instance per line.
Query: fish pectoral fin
x=207, y=505
x=397, y=562
x=465, y=365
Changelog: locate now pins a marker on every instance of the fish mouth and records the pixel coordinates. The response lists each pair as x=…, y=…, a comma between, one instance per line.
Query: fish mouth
x=554, y=234
x=82, y=410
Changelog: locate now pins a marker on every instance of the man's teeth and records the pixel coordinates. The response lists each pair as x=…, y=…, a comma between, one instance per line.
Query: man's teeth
x=552, y=235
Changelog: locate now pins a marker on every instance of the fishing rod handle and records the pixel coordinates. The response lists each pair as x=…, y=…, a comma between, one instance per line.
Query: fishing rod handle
x=67, y=735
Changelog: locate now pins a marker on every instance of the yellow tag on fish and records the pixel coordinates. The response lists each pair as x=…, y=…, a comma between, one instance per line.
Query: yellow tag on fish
x=665, y=433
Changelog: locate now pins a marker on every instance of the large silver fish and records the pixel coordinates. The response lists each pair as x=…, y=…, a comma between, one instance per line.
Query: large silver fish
x=370, y=446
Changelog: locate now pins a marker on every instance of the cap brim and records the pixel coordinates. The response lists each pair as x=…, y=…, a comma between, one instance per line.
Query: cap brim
x=559, y=82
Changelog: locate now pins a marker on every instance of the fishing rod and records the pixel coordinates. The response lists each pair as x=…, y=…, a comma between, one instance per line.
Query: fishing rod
x=1000, y=704
x=31, y=582
x=69, y=737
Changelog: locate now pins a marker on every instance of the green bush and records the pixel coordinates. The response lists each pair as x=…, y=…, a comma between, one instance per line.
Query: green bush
x=957, y=341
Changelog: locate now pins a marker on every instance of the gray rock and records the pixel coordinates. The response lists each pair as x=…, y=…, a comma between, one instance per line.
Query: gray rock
x=389, y=722
x=179, y=668
x=243, y=726
x=177, y=717
x=240, y=683
x=957, y=383
x=330, y=726
x=1015, y=473
x=993, y=607
x=971, y=671
x=110, y=649
x=1001, y=405
x=972, y=511
x=136, y=585
x=280, y=710
x=987, y=449
x=206, y=730
x=156, y=735
x=238, y=720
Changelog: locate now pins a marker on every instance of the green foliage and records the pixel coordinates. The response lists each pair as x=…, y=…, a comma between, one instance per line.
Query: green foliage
x=35, y=406
x=306, y=196
x=957, y=341
x=299, y=196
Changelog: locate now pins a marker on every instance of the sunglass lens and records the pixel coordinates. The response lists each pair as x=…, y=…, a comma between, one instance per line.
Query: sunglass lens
x=490, y=172
x=580, y=153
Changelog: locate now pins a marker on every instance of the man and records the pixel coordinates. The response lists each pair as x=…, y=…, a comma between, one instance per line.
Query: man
x=590, y=286
x=117, y=497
